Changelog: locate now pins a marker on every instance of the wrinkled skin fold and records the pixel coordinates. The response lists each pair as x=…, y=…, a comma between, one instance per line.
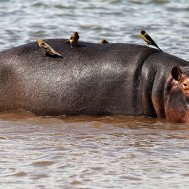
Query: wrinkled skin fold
x=94, y=79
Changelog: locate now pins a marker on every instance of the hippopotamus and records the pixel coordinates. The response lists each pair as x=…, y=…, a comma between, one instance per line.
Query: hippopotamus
x=94, y=79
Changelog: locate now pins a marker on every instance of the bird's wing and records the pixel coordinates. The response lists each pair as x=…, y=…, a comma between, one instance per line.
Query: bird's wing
x=54, y=52
x=151, y=40
x=45, y=45
x=72, y=37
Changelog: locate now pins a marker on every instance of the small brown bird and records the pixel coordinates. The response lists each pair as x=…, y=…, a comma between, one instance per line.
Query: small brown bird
x=148, y=39
x=74, y=39
x=103, y=41
x=48, y=50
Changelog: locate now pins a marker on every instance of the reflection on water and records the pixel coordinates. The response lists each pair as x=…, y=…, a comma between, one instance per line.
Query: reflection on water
x=94, y=152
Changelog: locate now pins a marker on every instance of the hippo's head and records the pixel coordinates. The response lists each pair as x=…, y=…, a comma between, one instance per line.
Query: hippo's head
x=177, y=96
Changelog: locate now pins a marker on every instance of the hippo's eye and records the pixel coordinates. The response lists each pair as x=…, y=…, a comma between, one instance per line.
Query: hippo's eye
x=185, y=85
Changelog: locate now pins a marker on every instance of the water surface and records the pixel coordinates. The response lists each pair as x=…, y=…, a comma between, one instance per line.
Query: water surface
x=92, y=152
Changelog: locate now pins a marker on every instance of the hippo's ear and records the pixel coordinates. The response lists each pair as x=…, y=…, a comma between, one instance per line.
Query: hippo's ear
x=176, y=73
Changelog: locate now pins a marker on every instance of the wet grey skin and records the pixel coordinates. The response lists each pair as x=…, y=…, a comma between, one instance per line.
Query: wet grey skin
x=95, y=79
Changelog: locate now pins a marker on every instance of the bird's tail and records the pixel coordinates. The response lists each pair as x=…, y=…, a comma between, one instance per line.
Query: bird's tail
x=159, y=48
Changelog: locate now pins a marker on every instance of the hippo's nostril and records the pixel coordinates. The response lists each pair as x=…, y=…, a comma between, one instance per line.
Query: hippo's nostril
x=185, y=86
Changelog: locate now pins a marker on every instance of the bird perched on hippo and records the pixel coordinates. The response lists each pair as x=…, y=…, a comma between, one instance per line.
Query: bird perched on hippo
x=148, y=39
x=74, y=38
x=113, y=79
x=103, y=41
x=48, y=50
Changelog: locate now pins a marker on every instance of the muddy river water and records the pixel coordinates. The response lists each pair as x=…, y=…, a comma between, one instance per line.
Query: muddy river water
x=92, y=152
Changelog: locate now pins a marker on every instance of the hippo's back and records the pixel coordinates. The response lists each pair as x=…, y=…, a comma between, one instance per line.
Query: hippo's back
x=90, y=79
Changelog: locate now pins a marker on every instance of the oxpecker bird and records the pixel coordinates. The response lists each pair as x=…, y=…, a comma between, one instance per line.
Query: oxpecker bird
x=48, y=50
x=74, y=39
x=103, y=41
x=148, y=39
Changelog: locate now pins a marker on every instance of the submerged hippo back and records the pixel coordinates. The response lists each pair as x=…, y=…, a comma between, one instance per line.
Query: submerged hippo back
x=91, y=79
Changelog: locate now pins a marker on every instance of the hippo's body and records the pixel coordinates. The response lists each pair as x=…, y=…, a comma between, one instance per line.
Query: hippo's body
x=92, y=79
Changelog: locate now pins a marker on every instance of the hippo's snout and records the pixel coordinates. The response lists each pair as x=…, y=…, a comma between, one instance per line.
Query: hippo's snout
x=177, y=96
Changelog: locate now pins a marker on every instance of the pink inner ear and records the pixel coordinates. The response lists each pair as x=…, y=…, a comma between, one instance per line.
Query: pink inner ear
x=176, y=73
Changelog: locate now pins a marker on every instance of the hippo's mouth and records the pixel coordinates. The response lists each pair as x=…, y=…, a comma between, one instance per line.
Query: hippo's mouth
x=186, y=92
